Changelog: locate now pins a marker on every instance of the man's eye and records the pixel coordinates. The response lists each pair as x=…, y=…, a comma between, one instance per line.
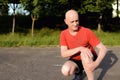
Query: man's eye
x=72, y=21
x=76, y=21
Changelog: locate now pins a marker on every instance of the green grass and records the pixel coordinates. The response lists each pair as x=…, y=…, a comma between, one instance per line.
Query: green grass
x=50, y=37
x=109, y=38
x=41, y=38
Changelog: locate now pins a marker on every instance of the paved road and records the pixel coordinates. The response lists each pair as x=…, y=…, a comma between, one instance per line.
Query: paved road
x=45, y=64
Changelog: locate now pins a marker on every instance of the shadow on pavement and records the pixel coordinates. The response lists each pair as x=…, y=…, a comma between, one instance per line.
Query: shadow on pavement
x=109, y=60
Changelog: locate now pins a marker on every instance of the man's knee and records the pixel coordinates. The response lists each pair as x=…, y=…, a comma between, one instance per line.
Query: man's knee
x=65, y=70
x=87, y=61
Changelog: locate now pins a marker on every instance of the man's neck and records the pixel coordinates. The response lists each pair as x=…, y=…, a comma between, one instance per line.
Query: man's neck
x=73, y=32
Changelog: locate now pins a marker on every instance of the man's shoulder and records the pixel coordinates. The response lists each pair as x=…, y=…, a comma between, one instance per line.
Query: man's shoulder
x=64, y=31
x=84, y=28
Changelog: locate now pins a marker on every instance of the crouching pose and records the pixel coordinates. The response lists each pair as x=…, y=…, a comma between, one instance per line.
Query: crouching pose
x=77, y=43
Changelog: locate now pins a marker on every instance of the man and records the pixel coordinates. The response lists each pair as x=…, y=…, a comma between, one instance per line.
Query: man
x=77, y=43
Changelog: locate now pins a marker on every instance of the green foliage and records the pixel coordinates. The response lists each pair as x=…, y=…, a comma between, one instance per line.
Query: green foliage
x=58, y=7
x=62, y=1
x=32, y=6
x=109, y=38
x=50, y=37
x=3, y=7
x=45, y=7
x=43, y=37
x=95, y=6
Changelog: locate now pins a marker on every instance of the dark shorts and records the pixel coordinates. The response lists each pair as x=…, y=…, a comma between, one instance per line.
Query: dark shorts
x=79, y=64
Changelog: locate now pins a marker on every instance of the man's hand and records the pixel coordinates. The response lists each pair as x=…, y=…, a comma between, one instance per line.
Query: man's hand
x=87, y=59
x=86, y=52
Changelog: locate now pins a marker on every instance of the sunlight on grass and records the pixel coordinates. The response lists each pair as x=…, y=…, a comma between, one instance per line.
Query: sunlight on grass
x=50, y=37
x=109, y=38
x=43, y=37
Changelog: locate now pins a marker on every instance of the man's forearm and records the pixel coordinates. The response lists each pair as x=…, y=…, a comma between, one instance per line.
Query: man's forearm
x=101, y=54
x=69, y=52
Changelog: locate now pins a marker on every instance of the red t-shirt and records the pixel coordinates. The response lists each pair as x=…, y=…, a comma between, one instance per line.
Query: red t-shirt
x=85, y=37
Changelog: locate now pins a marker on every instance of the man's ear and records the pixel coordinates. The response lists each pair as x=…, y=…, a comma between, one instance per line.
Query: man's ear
x=65, y=21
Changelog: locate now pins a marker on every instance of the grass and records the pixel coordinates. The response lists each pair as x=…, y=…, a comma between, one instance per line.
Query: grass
x=49, y=37
x=41, y=38
x=109, y=38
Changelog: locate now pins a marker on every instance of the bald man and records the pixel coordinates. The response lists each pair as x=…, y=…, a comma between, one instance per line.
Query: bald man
x=77, y=43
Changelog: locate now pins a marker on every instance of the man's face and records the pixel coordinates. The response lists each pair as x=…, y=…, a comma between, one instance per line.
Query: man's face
x=72, y=21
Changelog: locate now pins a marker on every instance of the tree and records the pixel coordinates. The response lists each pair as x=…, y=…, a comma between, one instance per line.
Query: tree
x=118, y=12
x=3, y=7
x=98, y=6
x=38, y=8
x=34, y=7
x=35, y=12
x=14, y=6
x=93, y=6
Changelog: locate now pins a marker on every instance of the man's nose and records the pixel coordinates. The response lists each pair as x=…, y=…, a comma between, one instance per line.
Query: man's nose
x=75, y=23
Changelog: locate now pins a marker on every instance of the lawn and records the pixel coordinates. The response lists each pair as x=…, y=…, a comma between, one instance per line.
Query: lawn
x=50, y=37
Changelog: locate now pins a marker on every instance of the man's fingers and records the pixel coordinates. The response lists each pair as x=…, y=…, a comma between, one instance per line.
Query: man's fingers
x=89, y=54
x=87, y=57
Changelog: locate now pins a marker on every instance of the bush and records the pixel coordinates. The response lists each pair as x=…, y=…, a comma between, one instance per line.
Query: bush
x=50, y=37
x=43, y=37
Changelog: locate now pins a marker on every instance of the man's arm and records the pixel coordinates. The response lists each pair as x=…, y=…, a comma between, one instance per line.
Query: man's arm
x=88, y=63
x=102, y=50
x=65, y=52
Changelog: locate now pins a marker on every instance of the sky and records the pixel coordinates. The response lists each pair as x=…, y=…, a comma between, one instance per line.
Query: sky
x=115, y=8
x=19, y=9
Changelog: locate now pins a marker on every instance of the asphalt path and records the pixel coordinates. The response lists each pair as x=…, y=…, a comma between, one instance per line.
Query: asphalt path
x=31, y=63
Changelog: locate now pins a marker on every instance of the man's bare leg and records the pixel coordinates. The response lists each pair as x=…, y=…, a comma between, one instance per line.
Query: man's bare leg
x=87, y=62
x=68, y=68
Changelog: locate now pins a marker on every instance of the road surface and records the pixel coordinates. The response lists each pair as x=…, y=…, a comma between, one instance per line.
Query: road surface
x=31, y=63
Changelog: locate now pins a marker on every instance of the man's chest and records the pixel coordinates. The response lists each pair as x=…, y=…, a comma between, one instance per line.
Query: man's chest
x=76, y=41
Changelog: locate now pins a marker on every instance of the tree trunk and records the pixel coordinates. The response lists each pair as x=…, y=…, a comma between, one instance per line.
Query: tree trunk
x=13, y=25
x=33, y=22
x=99, y=28
x=99, y=24
x=14, y=7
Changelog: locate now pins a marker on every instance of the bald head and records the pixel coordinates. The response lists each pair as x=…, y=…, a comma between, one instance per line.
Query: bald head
x=72, y=20
x=71, y=13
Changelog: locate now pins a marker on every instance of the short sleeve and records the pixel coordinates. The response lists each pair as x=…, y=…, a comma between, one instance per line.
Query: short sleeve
x=62, y=39
x=93, y=39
